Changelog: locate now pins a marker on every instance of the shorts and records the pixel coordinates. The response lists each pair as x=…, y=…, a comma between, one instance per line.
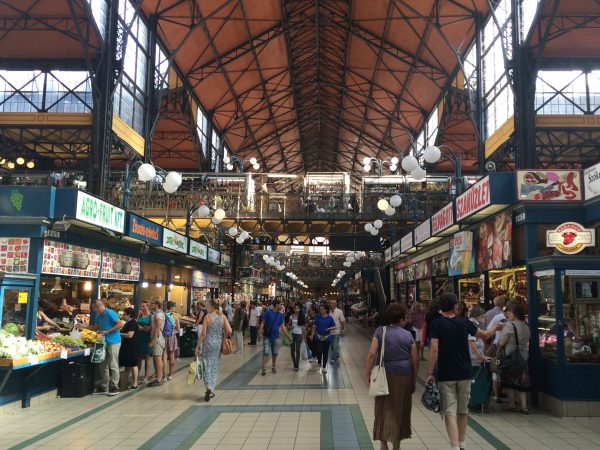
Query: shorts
x=159, y=346
x=171, y=344
x=418, y=333
x=454, y=397
x=270, y=346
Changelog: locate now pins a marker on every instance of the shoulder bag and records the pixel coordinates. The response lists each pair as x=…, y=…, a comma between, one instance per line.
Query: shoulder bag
x=226, y=345
x=379, y=385
x=513, y=362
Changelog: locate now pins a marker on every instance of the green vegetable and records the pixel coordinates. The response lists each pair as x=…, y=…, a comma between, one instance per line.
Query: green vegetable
x=12, y=328
x=68, y=341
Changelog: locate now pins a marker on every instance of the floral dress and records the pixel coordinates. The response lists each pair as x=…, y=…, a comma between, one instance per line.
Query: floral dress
x=211, y=350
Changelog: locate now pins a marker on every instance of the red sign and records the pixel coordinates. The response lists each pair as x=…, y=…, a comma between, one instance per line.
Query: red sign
x=570, y=238
x=442, y=219
x=549, y=185
x=474, y=199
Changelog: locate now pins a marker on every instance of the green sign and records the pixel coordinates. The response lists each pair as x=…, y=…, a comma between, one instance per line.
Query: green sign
x=16, y=199
x=174, y=241
x=198, y=250
x=97, y=212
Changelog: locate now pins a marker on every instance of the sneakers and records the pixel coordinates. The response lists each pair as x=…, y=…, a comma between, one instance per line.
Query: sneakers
x=112, y=392
x=273, y=370
x=296, y=369
x=324, y=370
x=99, y=391
x=264, y=371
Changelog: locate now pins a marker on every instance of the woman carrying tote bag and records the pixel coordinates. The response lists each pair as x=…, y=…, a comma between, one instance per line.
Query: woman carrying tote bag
x=401, y=363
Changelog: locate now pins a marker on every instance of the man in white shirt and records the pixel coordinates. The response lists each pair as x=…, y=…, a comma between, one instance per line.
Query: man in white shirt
x=253, y=323
x=340, y=321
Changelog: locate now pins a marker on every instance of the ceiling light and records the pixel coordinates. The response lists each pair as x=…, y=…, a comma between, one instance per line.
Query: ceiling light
x=158, y=284
x=419, y=173
x=20, y=160
x=366, y=160
x=30, y=164
x=144, y=284
x=395, y=200
x=10, y=165
x=2, y=161
x=226, y=160
x=390, y=211
x=409, y=163
x=87, y=286
x=432, y=154
x=367, y=167
x=253, y=161
x=394, y=160
x=382, y=204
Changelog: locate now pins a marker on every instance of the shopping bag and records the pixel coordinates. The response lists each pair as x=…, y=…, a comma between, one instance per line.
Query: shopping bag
x=99, y=352
x=75, y=333
x=304, y=351
x=195, y=371
x=286, y=341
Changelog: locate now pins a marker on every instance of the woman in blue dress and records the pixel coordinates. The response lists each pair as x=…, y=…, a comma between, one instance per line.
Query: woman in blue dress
x=216, y=326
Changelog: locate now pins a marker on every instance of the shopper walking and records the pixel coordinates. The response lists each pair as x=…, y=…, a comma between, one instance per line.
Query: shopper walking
x=170, y=332
x=340, y=322
x=216, y=327
x=296, y=324
x=401, y=362
x=129, y=351
x=449, y=350
x=144, y=335
x=239, y=315
x=433, y=312
x=253, y=323
x=417, y=319
x=515, y=338
x=157, y=343
x=310, y=333
x=324, y=325
x=270, y=328
x=109, y=326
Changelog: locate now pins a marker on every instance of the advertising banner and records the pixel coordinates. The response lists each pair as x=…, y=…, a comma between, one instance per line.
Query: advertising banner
x=463, y=241
x=199, y=279
x=460, y=262
x=474, y=199
x=387, y=254
x=570, y=238
x=423, y=269
x=97, y=212
x=198, y=250
x=145, y=230
x=406, y=243
x=14, y=255
x=423, y=232
x=225, y=260
x=70, y=260
x=549, y=185
x=214, y=256
x=119, y=267
x=395, y=249
x=591, y=181
x=174, y=241
x=495, y=242
x=442, y=219
x=440, y=265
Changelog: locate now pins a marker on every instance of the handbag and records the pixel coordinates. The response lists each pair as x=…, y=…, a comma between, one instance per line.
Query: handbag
x=513, y=362
x=99, y=352
x=379, y=385
x=431, y=398
x=226, y=346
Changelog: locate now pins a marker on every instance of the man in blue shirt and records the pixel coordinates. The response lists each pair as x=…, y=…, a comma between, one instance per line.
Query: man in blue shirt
x=271, y=325
x=108, y=325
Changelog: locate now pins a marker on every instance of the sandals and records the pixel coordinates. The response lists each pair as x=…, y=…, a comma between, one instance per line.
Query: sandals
x=209, y=394
x=155, y=383
x=524, y=411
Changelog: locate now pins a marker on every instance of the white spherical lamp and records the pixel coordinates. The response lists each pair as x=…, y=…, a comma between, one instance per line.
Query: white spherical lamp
x=229, y=166
x=432, y=154
x=395, y=200
x=245, y=235
x=226, y=159
x=256, y=166
x=409, y=163
x=366, y=160
x=173, y=179
x=215, y=221
x=378, y=223
x=418, y=174
x=239, y=240
x=393, y=167
x=367, y=167
x=146, y=172
x=394, y=160
x=368, y=227
x=233, y=231
x=219, y=214
x=374, y=232
x=168, y=188
x=204, y=211
x=382, y=204
x=253, y=160
x=390, y=211
x=265, y=257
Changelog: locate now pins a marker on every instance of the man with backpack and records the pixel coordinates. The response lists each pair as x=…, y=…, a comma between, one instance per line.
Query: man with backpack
x=170, y=332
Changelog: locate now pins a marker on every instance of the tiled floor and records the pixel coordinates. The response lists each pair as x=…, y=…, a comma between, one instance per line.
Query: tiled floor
x=287, y=410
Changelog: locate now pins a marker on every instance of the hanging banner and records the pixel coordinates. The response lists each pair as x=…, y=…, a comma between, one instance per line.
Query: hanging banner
x=591, y=181
x=495, y=242
x=463, y=241
x=474, y=199
x=71, y=260
x=174, y=241
x=423, y=232
x=387, y=254
x=198, y=250
x=97, y=212
x=214, y=256
x=406, y=243
x=549, y=185
x=460, y=262
x=570, y=238
x=119, y=267
x=442, y=219
x=14, y=255
x=396, y=249
x=145, y=230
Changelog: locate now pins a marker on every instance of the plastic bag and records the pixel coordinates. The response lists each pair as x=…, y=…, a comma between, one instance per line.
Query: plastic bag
x=286, y=341
x=195, y=371
x=99, y=352
x=75, y=333
x=304, y=351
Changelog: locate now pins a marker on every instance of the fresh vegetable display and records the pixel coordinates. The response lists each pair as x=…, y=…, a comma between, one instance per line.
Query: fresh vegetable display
x=11, y=328
x=51, y=347
x=68, y=341
x=89, y=336
x=16, y=347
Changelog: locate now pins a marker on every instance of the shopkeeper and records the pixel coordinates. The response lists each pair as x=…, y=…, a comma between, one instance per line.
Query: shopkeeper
x=43, y=322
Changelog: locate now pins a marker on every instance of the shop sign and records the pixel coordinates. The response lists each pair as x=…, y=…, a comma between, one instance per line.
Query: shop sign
x=29, y=201
x=591, y=181
x=225, y=260
x=406, y=242
x=198, y=250
x=549, y=185
x=214, y=256
x=583, y=273
x=119, y=267
x=495, y=242
x=423, y=269
x=442, y=219
x=199, y=279
x=144, y=230
x=410, y=272
x=474, y=199
x=97, y=212
x=400, y=276
x=544, y=273
x=14, y=255
x=396, y=249
x=463, y=241
x=388, y=254
x=460, y=262
x=423, y=232
x=71, y=260
x=22, y=298
x=570, y=238
x=174, y=241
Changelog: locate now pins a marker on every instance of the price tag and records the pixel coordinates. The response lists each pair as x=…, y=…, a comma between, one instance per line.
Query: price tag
x=33, y=359
x=181, y=332
x=64, y=354
x=86, y=352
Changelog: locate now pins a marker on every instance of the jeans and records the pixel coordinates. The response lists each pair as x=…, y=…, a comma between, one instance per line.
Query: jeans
x=323, y=352
x=253, y=335
x=239, y=341
x=109, y=369
x=311, y=345
x=335, y=347
x=295, y=349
